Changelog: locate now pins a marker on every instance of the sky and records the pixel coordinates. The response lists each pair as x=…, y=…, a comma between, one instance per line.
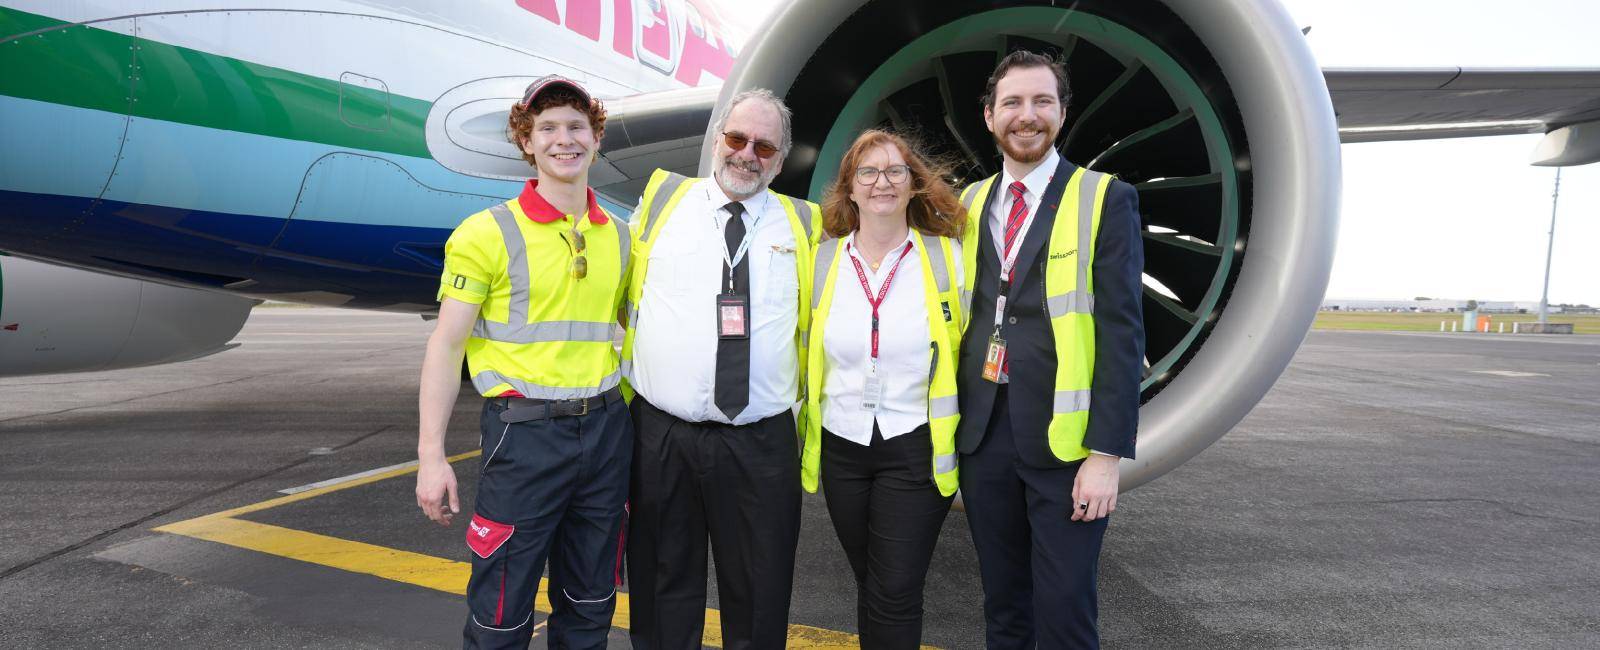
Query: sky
x=1462, y=218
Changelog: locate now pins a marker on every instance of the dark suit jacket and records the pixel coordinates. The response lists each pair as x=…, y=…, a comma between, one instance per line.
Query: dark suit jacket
x=1030, y=344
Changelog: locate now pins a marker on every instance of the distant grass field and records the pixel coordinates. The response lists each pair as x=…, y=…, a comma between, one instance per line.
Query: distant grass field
x=1419, y=322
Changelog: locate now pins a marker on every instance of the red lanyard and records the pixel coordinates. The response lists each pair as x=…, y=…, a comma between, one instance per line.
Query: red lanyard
x=883, y=292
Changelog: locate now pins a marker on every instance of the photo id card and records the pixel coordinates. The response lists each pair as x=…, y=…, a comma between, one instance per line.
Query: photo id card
x=994, y=359
x=733, y=316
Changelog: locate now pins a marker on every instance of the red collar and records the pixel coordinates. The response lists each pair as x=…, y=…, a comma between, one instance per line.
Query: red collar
x=540, y=210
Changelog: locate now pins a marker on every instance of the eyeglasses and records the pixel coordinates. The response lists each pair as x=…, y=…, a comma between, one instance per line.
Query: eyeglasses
x=897, y=174
x=580, y=264
x=736, y=142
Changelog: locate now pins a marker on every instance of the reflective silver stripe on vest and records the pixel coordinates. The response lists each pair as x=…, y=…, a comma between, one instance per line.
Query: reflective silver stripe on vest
x=545, y=332
x=488, y=379
x=625, y=367
x=825, y=253
x=970, y=194
x=624, y=244
x=1086, y=206
x=944, y=464
x=803, y=210
x=658, y=202
x=516, y=262
x=1071, y=302
x=943, y=407
x=1071, y=401
x=941, y=274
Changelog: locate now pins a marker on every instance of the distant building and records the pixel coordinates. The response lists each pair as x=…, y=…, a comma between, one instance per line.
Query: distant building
x=1436, y=305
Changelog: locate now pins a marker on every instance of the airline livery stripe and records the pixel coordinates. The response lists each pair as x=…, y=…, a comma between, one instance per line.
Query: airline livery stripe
x=88, y=67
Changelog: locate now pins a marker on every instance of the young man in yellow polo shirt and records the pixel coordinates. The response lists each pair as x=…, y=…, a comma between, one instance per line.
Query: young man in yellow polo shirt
x=529, y=296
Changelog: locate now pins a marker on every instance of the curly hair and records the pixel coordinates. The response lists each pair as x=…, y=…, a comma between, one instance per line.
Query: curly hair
x=934, y=208
x=520, y=125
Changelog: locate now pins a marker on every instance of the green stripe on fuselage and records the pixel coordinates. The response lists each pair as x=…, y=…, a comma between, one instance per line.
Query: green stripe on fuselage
x=93, y=68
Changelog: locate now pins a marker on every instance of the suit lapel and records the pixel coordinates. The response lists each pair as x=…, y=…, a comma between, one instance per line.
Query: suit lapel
x=1044, y=219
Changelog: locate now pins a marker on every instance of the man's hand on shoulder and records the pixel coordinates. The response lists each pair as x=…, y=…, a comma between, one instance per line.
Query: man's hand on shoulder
x=1094, y=491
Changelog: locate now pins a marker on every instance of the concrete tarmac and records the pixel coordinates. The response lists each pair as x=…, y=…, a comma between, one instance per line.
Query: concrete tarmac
x=1393, y=490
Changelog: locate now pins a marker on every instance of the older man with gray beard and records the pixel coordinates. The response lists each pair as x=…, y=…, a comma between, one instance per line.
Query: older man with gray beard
x=714, y=351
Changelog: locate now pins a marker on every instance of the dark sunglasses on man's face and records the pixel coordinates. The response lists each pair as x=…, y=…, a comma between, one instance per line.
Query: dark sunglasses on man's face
x=736, y=142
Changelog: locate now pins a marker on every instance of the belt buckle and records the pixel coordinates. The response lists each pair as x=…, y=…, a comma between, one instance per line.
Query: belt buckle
x=584, y=403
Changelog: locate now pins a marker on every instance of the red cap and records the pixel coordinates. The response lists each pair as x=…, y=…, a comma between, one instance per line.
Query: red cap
x=547, y=82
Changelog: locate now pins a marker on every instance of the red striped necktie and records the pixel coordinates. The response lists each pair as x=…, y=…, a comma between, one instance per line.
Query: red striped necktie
x=1019, y=214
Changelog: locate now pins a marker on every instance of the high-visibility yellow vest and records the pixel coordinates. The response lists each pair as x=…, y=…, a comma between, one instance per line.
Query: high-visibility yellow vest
x=1069, y=297
x=661, y=196
x=942, y=298
x=540, y=331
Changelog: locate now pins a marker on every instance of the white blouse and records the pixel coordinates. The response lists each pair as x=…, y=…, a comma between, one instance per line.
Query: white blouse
x=904, y=352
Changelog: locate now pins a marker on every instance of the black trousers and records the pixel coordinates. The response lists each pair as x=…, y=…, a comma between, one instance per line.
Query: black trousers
x=549, y=488
x=888, y=513
x=737, y=487
x=1038, y=567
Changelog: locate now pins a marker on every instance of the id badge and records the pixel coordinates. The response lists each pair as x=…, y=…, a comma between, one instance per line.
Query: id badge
x=733, y=316
x=872, y=393
x=994, y=359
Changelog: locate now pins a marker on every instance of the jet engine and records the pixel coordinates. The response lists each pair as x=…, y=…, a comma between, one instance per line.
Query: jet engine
x=57, y=319
x=1213, y=109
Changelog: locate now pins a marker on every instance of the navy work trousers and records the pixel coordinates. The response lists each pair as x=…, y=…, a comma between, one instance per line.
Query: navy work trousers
x=551, y=488
x=1038, y=567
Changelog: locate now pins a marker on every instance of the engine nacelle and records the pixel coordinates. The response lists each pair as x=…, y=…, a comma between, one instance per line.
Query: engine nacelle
x=1214, y=110
x=57, y=319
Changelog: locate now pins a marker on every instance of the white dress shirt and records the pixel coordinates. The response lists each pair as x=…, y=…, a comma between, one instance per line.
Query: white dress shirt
x=675, y=343
x=904, y=355
x=1034, y=185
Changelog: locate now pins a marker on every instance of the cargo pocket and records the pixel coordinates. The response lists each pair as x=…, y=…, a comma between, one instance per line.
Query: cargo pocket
x=493, y=594
x=485, y=536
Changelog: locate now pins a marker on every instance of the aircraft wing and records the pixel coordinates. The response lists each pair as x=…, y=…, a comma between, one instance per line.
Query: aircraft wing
x=1380, y=104
x=466, y=132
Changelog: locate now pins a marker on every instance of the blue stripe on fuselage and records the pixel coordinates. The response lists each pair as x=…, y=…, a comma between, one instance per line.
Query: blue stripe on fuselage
x=378, y=266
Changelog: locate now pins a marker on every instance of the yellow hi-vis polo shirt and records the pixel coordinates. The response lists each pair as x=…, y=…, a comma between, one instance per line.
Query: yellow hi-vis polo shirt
x=541, y=333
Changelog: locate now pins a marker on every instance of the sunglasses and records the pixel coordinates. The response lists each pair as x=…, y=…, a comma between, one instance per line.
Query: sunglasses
x=580, y=264
x=736, y=142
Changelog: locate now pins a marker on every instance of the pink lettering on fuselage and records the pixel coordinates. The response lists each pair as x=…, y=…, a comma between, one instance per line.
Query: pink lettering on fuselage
x=583, y=17
x=701, y=49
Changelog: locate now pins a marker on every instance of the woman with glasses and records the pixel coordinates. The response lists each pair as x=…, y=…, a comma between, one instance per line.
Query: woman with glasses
x=880, y=412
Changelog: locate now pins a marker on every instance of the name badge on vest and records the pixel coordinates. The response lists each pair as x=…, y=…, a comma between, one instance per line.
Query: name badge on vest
x=994, y=359
x=733, y=316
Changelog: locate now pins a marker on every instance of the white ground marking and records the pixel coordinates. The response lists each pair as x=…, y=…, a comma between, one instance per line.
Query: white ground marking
x=1510, y=373
x=342, y=479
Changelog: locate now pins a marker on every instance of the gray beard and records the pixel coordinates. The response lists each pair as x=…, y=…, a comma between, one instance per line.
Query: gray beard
x=735, y=186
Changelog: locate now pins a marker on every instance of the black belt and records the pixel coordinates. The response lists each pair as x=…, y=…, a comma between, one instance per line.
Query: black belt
x=522, y=409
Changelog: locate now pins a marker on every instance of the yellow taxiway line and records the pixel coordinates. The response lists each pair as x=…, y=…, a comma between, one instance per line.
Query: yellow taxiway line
x=436, y=573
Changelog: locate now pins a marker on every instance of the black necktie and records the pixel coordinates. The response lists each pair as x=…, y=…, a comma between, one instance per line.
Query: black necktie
x=732, y=392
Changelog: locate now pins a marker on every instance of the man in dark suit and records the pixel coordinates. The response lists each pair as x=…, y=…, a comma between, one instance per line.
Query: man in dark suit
x=1050, y=365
